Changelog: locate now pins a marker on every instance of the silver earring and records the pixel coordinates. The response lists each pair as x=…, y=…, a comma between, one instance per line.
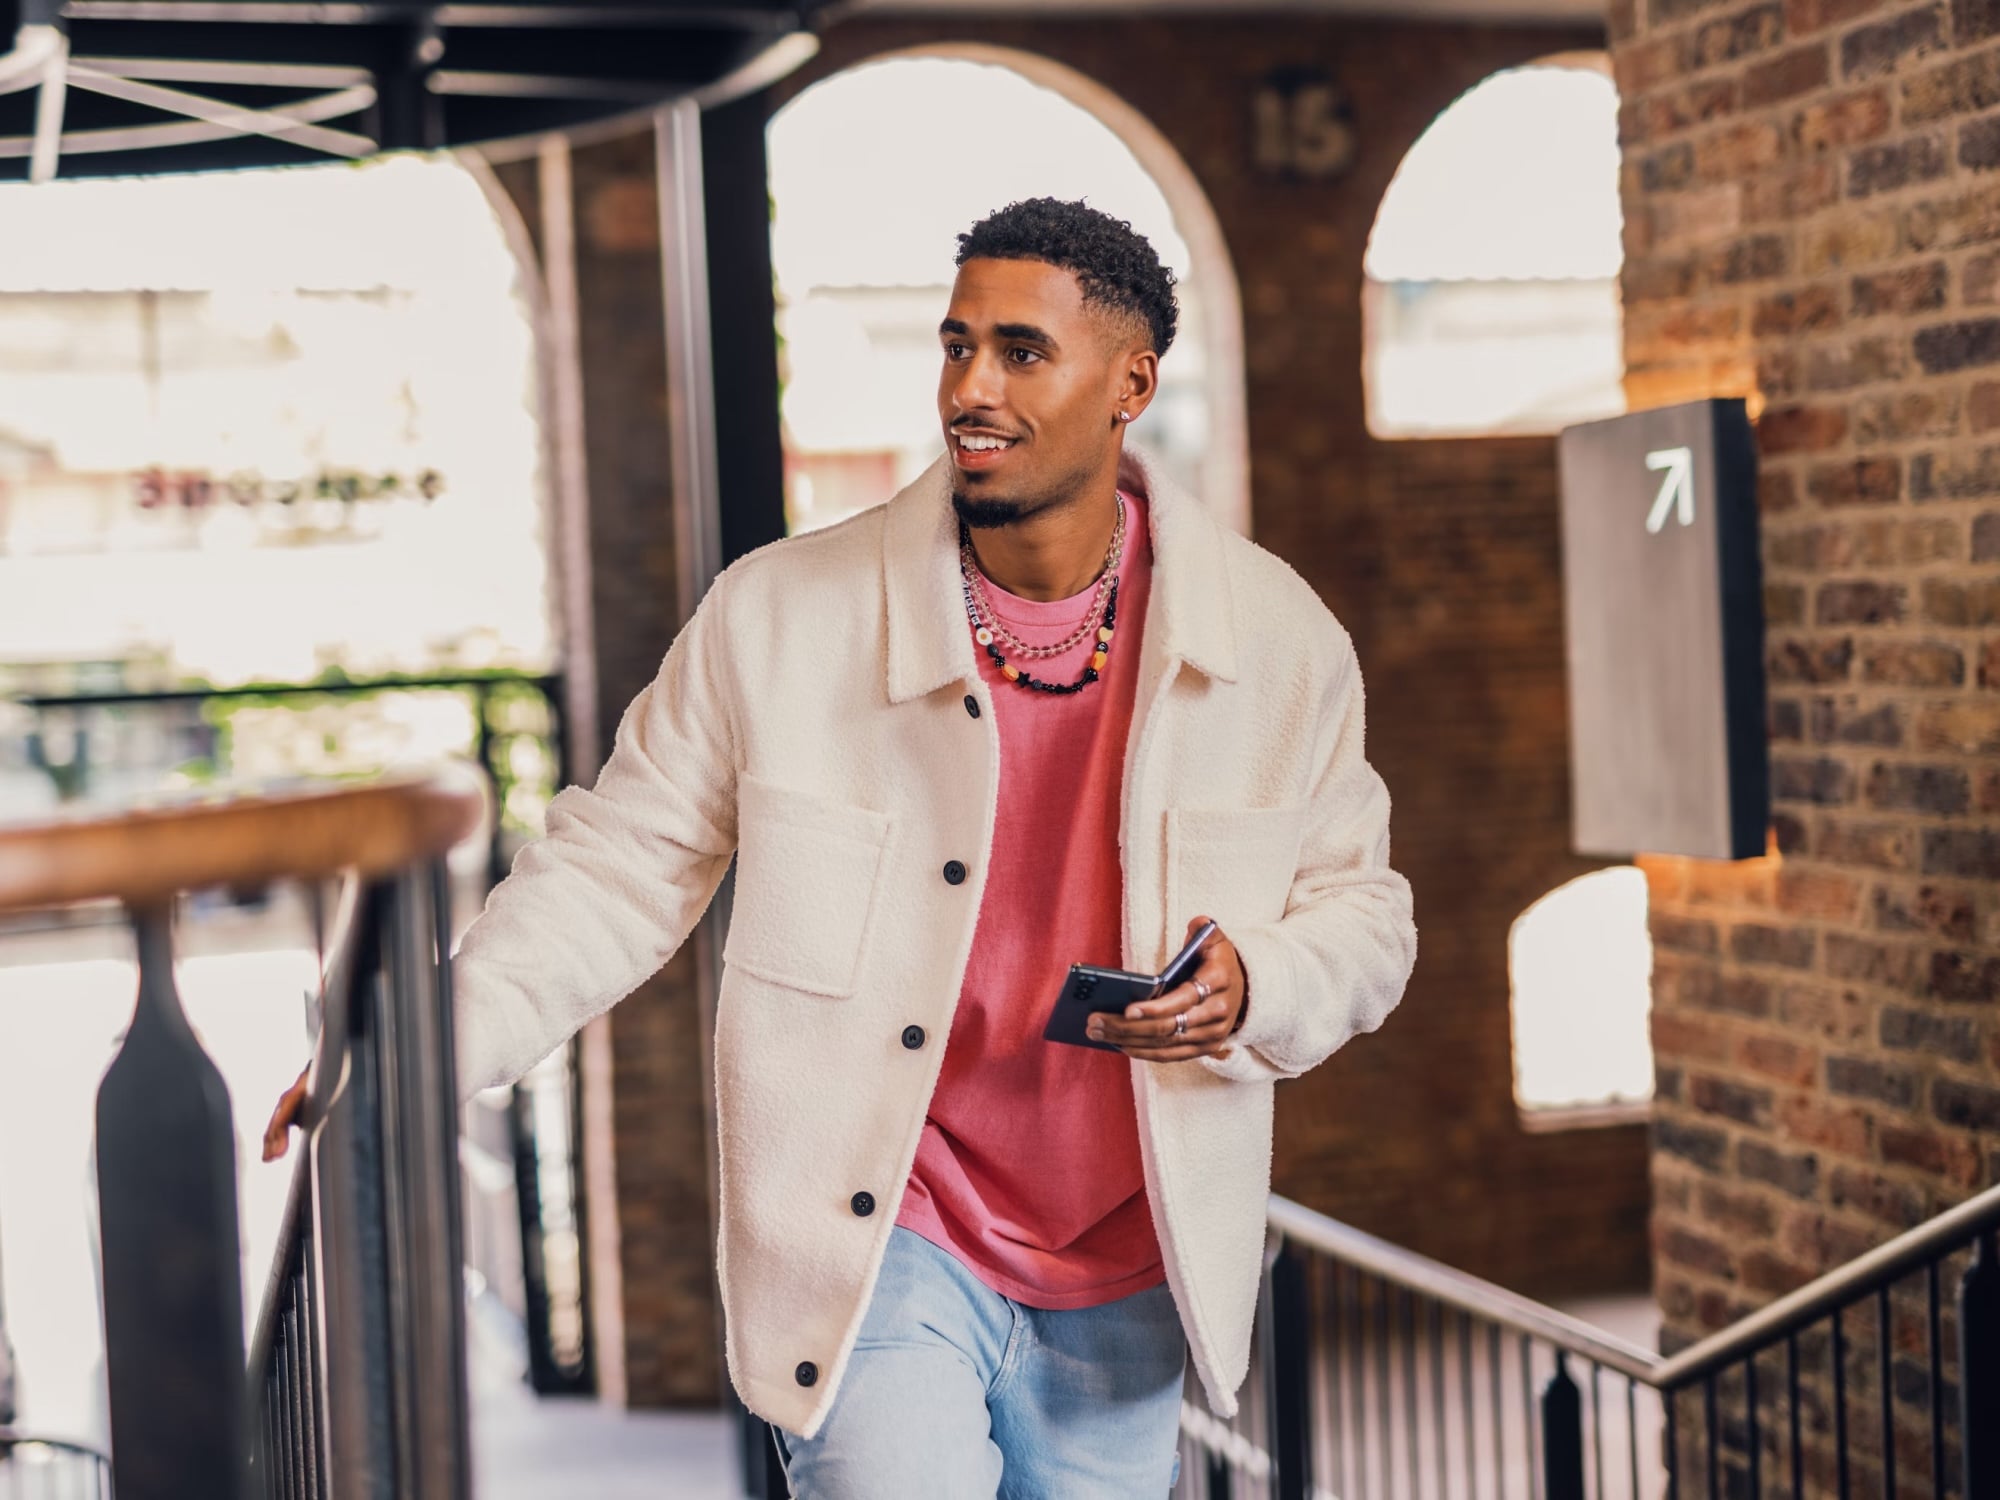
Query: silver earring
x=1124, y=416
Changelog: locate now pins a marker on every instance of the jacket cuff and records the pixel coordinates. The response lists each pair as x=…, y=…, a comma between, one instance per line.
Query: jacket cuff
x=1267, y=969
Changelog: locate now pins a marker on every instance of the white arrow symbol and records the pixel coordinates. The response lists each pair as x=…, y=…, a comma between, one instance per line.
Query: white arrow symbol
x=1679, y=464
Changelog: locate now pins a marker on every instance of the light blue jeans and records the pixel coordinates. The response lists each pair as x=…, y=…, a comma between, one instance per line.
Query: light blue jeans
x=955, y=1392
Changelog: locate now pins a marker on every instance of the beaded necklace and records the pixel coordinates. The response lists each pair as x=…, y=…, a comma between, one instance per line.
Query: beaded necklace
x=1101, y=617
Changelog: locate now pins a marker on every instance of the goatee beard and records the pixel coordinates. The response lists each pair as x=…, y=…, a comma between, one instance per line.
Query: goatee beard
x=987, y=515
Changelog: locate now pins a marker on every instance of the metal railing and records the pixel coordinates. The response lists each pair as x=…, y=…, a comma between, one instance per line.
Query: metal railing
x=1379, y=1374
x=358, y=1359
x=356, y=1385
x=544, y=1272
x=46, y=1468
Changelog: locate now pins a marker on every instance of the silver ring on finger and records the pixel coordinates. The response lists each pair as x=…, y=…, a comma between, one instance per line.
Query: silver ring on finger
x=1180, y=1023
x=1202, y=990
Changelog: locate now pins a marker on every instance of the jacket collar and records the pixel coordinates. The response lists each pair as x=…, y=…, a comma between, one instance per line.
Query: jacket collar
x=1190, y=617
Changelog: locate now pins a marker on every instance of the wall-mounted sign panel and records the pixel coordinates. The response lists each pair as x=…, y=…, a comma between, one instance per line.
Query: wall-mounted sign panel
x=1664, y=618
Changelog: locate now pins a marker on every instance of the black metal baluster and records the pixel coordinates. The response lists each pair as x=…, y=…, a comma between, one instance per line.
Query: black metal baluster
x=1385, y=1391
x=1562, y=1434
x=1528, y=1415
x=1755, y=1439
x=1840, y=1404
x=1287, y=1375
x=1708, y=1428
x=1438, y=1399
x=1597, y=1427
x=1218, y=1475
x=1411, y=1425
x=1471, y=1406
x=1359, y=1386
x=1672, y=1401
x=1934, y=1346
x=1499, y=1411
x=1885, y=1339
x=1792, y=1385
x=288, y=1351
x=1336, y=1424
x=1632, y=1432
x=173, y=1300
x=1979, y=1368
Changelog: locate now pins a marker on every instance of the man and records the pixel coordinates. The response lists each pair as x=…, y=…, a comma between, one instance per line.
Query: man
x=1037, y=710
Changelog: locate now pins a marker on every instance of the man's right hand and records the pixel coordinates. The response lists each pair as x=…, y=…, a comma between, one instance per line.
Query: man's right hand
x=278, y=1134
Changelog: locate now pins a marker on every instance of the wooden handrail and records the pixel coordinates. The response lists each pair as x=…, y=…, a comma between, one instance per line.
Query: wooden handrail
x=147, y=856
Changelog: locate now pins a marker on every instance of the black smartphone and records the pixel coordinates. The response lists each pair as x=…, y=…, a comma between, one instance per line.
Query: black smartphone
x=1092, y=990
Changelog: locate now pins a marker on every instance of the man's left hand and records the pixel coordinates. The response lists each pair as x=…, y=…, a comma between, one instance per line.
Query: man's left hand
x=1146, y=1029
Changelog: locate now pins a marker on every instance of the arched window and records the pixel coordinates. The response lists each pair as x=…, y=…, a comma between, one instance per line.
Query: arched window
x=1581, y=962
x=1490, y=303
x=869, y=197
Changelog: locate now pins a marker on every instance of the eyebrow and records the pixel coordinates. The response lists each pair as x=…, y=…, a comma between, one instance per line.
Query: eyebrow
x=1026, y=333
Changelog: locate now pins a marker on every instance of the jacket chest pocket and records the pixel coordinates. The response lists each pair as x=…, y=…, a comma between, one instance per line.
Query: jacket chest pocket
x=807, y=868
x=1235, y=864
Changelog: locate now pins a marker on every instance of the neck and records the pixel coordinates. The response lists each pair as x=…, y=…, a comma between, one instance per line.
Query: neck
x=1053, y=554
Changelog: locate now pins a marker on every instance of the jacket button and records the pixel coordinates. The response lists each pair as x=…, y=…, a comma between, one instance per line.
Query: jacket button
x=863, y=1204
x=972, y=705
x=913, y=1037
x=954, y=872
x=807, y=1373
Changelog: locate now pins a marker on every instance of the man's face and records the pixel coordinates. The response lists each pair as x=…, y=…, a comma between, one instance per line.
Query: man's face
x=1031, y=379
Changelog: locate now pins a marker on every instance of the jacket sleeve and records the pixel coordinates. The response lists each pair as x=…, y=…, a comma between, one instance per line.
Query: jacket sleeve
x=1336, y=963
x=624, y=870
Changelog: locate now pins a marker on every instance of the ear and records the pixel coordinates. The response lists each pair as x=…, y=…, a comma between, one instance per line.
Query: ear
x=1138, y=375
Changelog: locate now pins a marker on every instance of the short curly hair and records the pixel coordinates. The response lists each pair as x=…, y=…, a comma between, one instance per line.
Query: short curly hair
x=1117, y=266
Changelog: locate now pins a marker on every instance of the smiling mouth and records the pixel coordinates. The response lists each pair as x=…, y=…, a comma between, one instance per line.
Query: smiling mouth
x=981, y=442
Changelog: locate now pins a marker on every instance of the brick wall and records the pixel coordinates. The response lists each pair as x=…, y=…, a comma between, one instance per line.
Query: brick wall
x=1441, y=557
x=1813, y=223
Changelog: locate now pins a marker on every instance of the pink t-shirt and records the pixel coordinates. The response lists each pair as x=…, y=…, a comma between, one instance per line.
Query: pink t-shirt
x=1028, y=1170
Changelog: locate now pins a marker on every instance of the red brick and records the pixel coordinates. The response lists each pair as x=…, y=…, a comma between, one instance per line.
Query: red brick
x=1880, y=846
x=1817, y=1238
x=1735, y=1212
x=1779, y=1058
x=1767, y=1272
x=1786, y=76
x=1807, y=892
x=1801, y=429
x=1899, y=1204
x=1805, y=16
x=1698, y=1252
x=1836, y=1015
x=1685, y=1037
x=1809, y=1120
x=1920, y=664
x=1899, y=416
x=1887, y=46
x=1744, y=1103
x=1945, y=1154
x=1938, y=910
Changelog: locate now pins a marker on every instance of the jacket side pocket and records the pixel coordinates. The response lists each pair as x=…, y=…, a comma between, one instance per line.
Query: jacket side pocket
x=806, y=872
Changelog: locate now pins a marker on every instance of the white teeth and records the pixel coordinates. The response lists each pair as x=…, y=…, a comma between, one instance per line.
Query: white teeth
x=980, y=444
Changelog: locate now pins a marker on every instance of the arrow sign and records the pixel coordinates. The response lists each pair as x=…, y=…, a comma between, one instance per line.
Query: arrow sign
x=1679, y=484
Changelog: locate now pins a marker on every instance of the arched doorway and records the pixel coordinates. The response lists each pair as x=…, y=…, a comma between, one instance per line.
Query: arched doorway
x=866, y=204
x=1491, y=300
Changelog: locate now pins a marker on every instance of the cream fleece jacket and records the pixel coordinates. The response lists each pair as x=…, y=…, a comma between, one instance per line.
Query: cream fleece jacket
x=811, y=721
